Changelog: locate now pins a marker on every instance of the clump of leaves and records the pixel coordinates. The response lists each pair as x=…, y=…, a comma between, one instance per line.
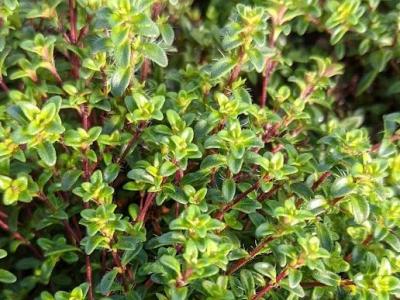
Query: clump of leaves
x=162, y=149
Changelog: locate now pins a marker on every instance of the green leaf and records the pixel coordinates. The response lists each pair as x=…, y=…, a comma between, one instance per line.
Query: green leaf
x=302, y=190
x=212, y=161
x=229, y=189
x=11, y=4
x=49, y=111
x=326, y=277
x=168, y=168
x=234, y=164
x=324, y=236
x=179, y=293
x=265, y=269
x=107, y=281
x=360, y=209
x=366, y=80
x=391, y=122
x=221, y=67
x=111, y=172
x=155, y=53
x=61, y=250
x=295, y=291
x=120, y=80
x=247, y=280
x=10, y=196
x=7, y=277
x=46, y=296
x=277, y=161
x=167, y=33
x=133, y=210
x=257, y=59
x=46, y=269
x=265, y=229
x=393, y=241
x=140, y=175
x=232, y=221
x=294, y=277
x=92, y=242
x=122, y=54
x=337, y=35
x=247, y=206
x=341, y=187
x=171, y=263
x=129, y=255
x=70, y=89
x=3, y=253
x=69, y=178
x=5, y=182
x=393, y=89
x=47, y=153
x=145, y=25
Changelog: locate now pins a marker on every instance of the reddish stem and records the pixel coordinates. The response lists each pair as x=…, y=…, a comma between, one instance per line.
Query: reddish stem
x=84, y=111
x=77, y=228
x=375, y=147
x=89, y=278
x=3, y=215
x=262, y=197
x=253, y=253
x=57, y=76
x=103, y=261
x=182, y=281
x=70, y=233
x=261, y=293
x=236, y=71
x=237, y=199
x=270, y=66
x=271, y=131
x=307, y=91
x=75, y=65
x=86, y=175
x=145, y=70
x=277, y=148
x=234, y=75
x=132, y=141
x=320, y=180
x=149, y=283
x=269, y=70
x=19, y=237
x=73, y=38
x=85, y=166
x=4, y=86
x=178, y=178
x=156, y=10
x=72, y=19
x=85, y=29
x=117, y=262
x=146, y=206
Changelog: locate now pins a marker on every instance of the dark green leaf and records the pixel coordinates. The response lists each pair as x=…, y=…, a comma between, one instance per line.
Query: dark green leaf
x=107, y=281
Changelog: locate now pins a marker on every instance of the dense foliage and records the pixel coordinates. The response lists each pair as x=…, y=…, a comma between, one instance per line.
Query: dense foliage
x=155, y=149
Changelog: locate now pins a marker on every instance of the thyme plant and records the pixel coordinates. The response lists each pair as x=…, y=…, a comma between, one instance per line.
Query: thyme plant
x=165, y=149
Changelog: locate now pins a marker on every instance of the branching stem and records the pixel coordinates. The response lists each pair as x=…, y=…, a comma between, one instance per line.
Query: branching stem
x=18, y=236
x=148, y=202
x=132, y=142
x=253, y=253
x=237, y=199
